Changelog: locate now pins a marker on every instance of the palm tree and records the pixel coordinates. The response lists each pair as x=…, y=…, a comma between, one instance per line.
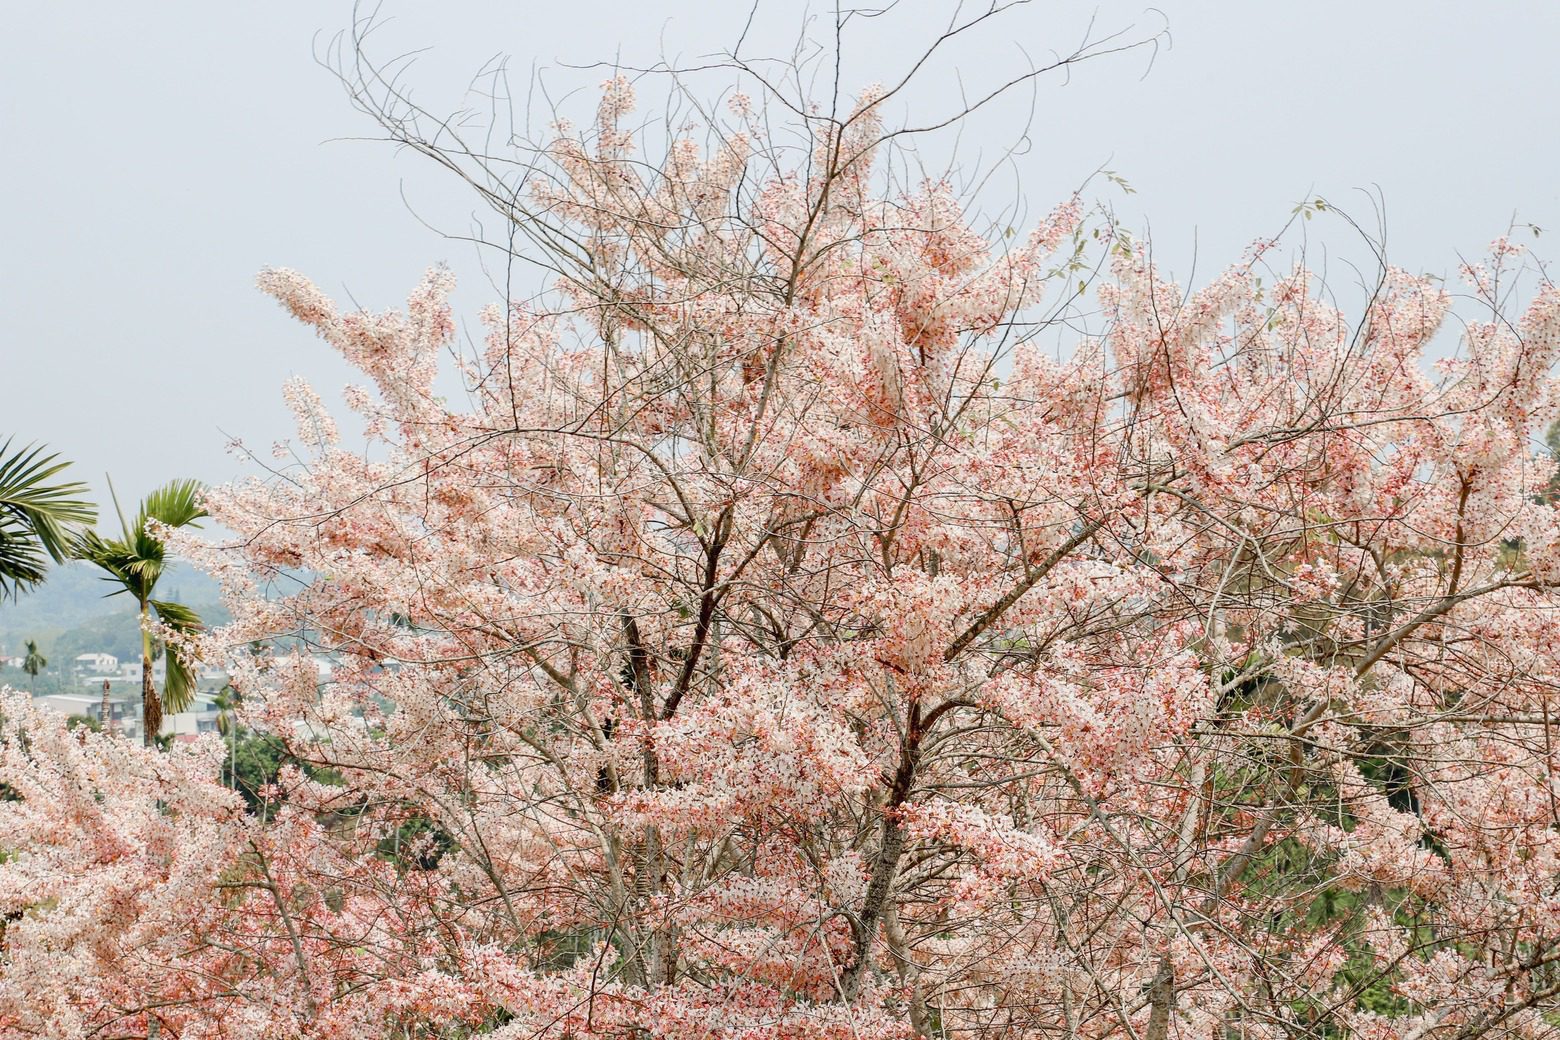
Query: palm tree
x=34, y=662
x=39, y=517
x=136, y=560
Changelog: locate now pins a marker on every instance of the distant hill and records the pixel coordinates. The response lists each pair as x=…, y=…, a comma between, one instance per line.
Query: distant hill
x=68, y=614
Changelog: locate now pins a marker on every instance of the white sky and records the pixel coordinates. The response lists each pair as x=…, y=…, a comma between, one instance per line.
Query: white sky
x=158, y=155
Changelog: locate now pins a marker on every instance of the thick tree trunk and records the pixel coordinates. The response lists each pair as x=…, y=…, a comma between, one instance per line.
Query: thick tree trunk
x=886, y=865
x=883, y=873
x=1161, y=999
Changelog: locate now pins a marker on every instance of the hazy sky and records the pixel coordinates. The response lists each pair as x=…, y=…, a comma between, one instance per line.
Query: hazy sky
x=158, y=155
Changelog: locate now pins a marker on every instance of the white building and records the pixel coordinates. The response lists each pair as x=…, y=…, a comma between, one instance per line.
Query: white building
x=98, y=664
x=124, y=708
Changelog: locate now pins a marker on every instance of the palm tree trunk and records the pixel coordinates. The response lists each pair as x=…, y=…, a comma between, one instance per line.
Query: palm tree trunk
x=151, y=707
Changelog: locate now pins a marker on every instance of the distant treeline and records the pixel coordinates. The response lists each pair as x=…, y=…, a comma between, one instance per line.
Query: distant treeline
x=69, y=615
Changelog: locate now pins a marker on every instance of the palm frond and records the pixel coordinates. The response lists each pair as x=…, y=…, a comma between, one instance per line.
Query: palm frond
x=177, y=617
x=179, y=688
x=39, y=515
x=22, y=559
x=175, y=504
x=119, y=559
x=137, y=559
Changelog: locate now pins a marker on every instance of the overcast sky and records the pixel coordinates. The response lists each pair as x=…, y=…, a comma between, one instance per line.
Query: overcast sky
x=158, y=155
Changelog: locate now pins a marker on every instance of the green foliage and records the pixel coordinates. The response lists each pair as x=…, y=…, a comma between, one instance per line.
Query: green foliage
x=89, y=721
x=34, y=662
x=40, y=517
x=136, y=561
x=179, y=686
x=418, y=843
x=254, y=762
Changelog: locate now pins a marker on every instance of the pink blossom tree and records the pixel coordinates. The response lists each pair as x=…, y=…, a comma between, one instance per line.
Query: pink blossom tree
x=778, y=642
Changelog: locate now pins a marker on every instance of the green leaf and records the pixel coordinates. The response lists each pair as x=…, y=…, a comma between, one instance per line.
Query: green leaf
x=179, y=688
x=41, y=517
x=175, y=504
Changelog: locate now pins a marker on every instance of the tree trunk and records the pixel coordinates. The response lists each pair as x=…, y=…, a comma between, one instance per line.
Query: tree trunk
x=886, y=864
x=151, y=706
x=1161, y=999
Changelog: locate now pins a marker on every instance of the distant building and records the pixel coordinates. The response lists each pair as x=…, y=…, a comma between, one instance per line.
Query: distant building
x=97, y=664
x=201, y=718
x=124, y=709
